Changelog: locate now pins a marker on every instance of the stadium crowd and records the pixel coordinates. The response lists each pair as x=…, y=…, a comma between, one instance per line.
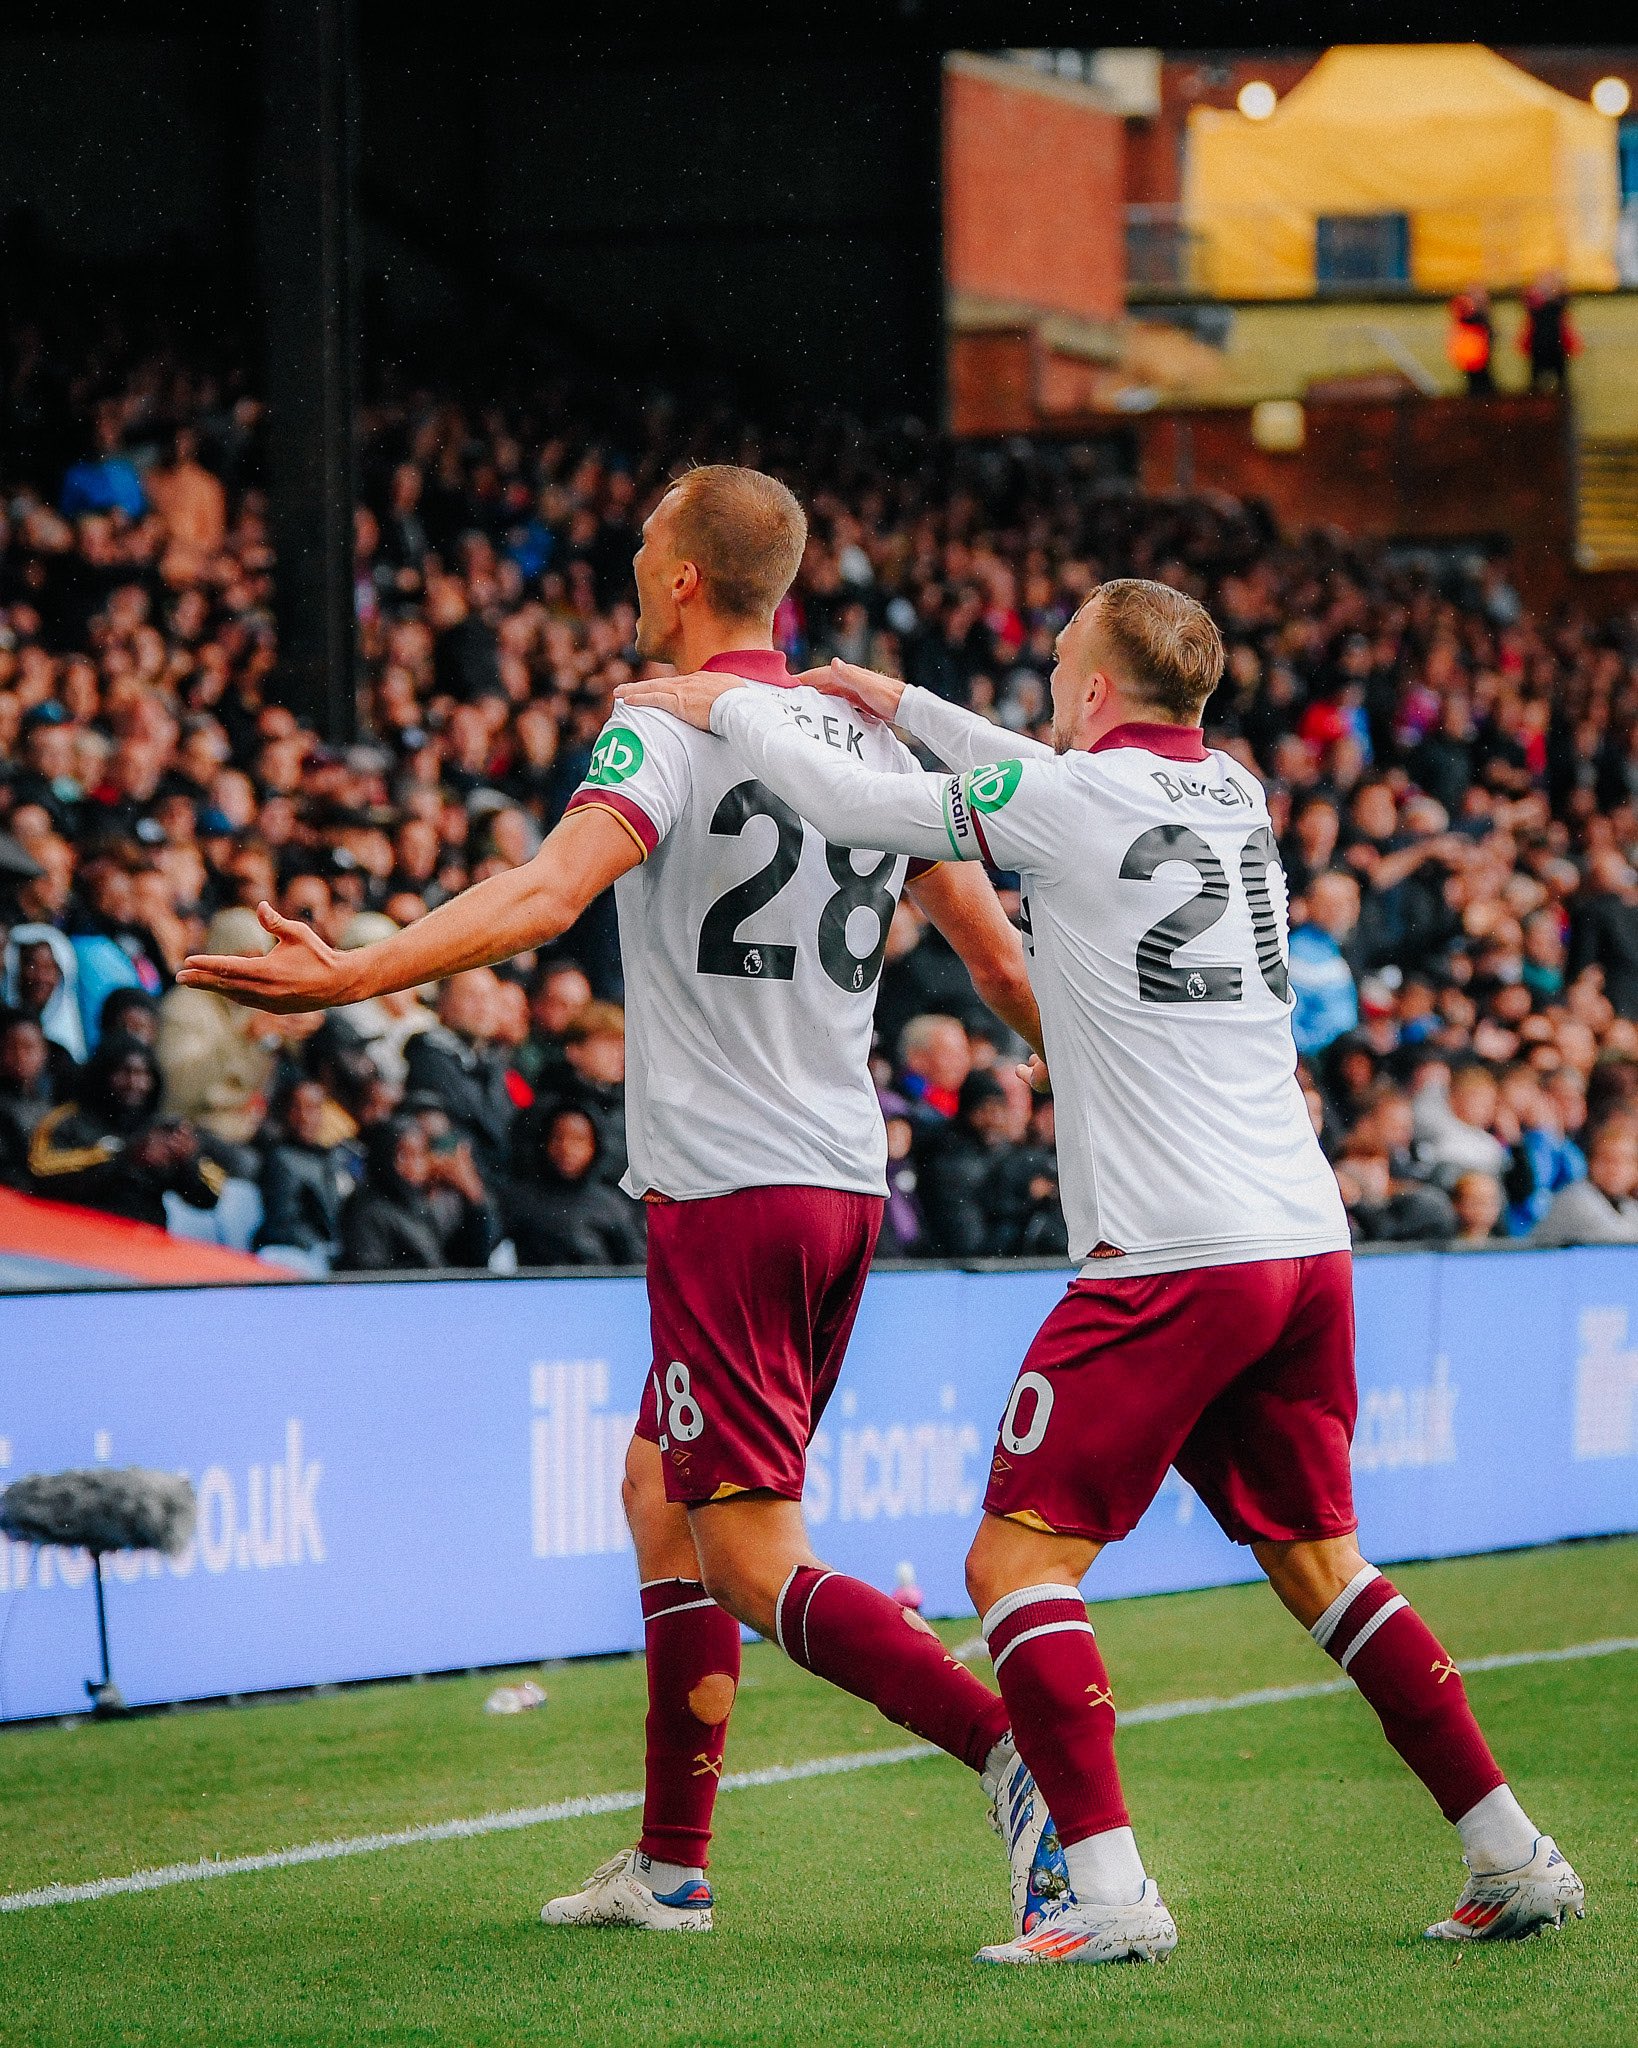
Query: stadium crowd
x=1454, y=785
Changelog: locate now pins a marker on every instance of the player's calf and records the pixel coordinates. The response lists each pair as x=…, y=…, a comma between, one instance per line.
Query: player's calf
x=1057, y=1692
x=693, y=1658
x=1520, y=1882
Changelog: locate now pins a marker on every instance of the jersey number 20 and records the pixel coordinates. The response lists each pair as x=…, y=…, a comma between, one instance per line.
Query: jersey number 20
x=1160, y=978
x=723, y=951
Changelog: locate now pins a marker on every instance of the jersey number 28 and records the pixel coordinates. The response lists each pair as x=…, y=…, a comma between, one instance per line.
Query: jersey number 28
x=723, y=951
x=1160, y=978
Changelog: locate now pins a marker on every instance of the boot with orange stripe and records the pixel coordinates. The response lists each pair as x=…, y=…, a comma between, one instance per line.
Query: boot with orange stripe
x=1508, y=1905
x=1073, y=1933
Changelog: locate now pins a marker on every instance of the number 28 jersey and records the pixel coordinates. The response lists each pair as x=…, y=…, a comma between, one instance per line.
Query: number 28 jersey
x=751, y=952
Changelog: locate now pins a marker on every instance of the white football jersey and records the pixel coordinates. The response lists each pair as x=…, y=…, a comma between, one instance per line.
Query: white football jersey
x=1156, y=912
x=751, y=952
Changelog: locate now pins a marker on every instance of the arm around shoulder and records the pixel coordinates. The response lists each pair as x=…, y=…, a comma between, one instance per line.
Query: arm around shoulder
x=960, y=738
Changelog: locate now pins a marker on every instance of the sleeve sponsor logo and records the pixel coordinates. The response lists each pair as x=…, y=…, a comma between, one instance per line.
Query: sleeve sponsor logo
x=616, y=758
x=989, y=788
x=970, y=797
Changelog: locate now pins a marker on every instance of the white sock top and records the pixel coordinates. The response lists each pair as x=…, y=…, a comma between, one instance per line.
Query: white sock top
x=1497, y=1834
x=1106, y=1869
x=666, y=1877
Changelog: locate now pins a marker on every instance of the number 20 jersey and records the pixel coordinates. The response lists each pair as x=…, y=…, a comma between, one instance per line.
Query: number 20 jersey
x=751, y=952
x=1157, y=914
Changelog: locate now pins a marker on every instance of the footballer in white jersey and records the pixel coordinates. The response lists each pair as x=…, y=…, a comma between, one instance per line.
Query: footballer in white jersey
x=751, y=951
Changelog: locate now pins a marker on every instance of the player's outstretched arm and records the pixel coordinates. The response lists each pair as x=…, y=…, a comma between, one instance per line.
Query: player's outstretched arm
x=961, y=739
x=507, y=914
x=851, y=806
x=966, y=909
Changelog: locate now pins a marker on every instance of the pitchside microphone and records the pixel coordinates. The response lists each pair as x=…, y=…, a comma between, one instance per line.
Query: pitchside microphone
x=101, y=1510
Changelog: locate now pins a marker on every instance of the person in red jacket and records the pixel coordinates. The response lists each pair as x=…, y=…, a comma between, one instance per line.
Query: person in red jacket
x=1471, y=340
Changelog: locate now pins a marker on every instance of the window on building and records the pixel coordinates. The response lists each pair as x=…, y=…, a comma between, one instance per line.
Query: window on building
x=1362, y=249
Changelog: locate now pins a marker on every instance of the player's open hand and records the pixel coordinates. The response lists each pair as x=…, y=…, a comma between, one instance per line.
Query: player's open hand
x=301, y=972
x=686, y=697
x=877, y=694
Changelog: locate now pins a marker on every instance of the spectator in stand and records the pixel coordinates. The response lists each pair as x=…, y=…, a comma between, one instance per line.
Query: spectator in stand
x=1603, y=1208
x=1479, y=1203
x=1310, y=845
x=594, y=1080
x=457, y=1062
x=106, y=480
x=922, y=975
x=26, y=1092
x=218, y=1059
x=1444, y=761
x=560, y=993
x=1383, y=1209
x=1046, y=1235
x=979, y=1182
x=955, y=1171
x=42, y=982
x=1454, y=1116
x=306, y=1179
x=110, y=1149
x=562, y=1212
x=1322, y=978
x=1605, y=928
x=192, y=506
x=391, y=1223
x=112, y=948
x=129, y=1013
x=385, y=1024
x=904, y=1227
x=1545, y=1158
x=48, y=777
x=935, y=1058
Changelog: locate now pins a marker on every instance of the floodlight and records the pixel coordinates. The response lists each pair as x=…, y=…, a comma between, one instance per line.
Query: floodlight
x=1257, y=99
x=1612, y=96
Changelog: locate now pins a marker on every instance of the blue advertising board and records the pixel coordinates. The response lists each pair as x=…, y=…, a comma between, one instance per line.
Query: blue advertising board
x=421, y=1476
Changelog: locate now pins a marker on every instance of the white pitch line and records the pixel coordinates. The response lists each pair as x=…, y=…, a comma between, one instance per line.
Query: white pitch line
x=439, y=1831
x=595, y=1803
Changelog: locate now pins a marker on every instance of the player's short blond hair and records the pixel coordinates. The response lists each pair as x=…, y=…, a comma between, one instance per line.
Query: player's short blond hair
x=1167, y=647
x=744, y=532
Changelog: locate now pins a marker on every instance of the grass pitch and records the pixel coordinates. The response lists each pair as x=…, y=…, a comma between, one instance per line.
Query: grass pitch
x=1300, y=1859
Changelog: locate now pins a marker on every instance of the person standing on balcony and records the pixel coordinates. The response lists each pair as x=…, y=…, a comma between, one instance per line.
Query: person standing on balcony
x=1471, y=340
x=1547, y=337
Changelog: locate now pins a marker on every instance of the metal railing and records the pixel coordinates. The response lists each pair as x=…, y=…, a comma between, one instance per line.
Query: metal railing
x=1222, y=250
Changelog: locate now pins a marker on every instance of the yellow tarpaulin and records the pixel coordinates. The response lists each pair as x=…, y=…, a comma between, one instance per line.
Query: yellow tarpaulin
x=1501, y=176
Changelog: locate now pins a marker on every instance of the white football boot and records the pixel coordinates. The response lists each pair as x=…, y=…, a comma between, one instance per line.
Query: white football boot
x=614, y=1896
x=1073, y=1933
x=1509, y=1905
x=1038, y=1875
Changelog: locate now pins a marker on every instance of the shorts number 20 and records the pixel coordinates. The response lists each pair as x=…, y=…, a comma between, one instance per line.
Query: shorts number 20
x=1022, y=1441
